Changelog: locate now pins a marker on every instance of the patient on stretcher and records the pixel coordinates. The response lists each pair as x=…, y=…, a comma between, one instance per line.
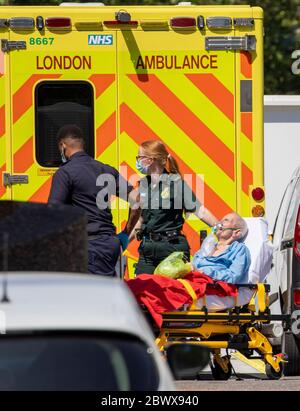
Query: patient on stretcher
x=261, y=251
x=227, y=259
x=160, y=294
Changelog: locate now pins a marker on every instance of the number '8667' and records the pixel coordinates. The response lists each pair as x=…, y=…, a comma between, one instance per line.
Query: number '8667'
x=38, y=41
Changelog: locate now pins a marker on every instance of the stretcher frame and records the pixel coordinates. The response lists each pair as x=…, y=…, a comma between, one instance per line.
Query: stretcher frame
x=236, y=328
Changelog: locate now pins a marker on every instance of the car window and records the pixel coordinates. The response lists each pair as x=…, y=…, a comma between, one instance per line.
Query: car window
x=281, y=216
x=71, y=363
x=289, y=227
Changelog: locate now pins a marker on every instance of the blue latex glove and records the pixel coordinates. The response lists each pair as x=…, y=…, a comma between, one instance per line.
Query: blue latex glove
x=124, y=240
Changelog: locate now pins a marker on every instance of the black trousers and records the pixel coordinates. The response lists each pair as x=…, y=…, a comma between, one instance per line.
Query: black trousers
x=151, y=253
x=103, y=254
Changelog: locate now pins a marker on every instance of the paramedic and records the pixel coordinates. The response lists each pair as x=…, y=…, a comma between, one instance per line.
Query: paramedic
x=229, y=259
x=76, y=182
x=164, y=198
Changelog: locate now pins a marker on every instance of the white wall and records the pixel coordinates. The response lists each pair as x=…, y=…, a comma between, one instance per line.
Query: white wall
x=281, y=148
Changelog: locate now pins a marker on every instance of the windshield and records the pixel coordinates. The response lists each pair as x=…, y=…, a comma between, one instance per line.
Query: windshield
x=76, y=363
x=283, y=209
x=291, y=216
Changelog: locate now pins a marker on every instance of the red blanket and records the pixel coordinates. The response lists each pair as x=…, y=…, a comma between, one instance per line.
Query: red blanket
x=161, y=294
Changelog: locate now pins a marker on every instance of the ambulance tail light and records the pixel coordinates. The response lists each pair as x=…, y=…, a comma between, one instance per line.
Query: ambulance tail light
x=21, y=23
x=258, y=194
x=258, y=211
x=182, y=22
x=296, y=245
x=58, y=22
x=297, y=297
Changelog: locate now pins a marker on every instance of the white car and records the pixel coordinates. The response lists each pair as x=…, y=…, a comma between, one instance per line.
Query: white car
x=285, y=274
x=75, y=332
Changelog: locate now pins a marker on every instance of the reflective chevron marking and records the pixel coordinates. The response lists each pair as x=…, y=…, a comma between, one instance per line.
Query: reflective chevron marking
x=246, y=64
x=106, y=134
x=246, y=128
x=139, y=132
x=247, y=178
x=101, y=82
x=215, y=91
x=192, y=236
x=194, y=128
x=23, y=158
x=22, y=98
x=246, y=124
x=42, y=193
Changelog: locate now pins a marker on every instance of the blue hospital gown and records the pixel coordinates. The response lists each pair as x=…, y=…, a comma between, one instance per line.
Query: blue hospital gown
x=231, y=266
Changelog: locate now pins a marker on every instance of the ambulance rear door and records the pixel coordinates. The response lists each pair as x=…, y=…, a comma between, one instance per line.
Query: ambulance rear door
x=62, y=73
x=175, y=90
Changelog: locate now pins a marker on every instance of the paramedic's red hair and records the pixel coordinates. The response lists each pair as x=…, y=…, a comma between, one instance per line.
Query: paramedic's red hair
x=156, y=149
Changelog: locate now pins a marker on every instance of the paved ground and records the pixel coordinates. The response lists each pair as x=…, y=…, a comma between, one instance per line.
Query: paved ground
x=249, y=383
x=251, y=380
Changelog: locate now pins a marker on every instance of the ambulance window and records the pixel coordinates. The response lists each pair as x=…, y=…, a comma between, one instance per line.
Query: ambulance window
x=58, y=103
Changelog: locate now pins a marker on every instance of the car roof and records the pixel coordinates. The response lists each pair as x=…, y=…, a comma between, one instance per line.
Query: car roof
x=59, y=301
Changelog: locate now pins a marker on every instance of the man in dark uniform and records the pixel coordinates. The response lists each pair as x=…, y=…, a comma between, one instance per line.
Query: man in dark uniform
x=163, y=207
x=88, y=184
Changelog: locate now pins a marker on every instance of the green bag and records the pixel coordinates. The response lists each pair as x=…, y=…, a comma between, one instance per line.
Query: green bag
x=174, y=266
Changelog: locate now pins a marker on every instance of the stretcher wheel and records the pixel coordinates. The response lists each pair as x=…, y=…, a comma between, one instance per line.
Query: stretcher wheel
x=218, y=373
x=272, y=374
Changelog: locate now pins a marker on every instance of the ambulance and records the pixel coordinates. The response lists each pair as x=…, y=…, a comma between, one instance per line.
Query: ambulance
x=190, y=76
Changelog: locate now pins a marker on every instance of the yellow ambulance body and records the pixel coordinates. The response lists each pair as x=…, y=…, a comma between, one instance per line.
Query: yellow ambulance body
x=190, y=76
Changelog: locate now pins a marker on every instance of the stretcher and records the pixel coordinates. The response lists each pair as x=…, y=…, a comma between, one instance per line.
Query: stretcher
x=239, y=328
x=242, y=323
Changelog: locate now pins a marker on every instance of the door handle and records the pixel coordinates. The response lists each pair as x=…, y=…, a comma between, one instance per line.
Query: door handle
x=286, y=244
x=10, y=179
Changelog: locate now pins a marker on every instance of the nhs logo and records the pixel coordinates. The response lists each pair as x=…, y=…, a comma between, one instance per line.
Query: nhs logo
x=100, y=39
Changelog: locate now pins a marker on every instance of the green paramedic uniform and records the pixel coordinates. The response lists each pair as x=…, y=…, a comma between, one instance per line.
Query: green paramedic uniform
x=163, y=207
